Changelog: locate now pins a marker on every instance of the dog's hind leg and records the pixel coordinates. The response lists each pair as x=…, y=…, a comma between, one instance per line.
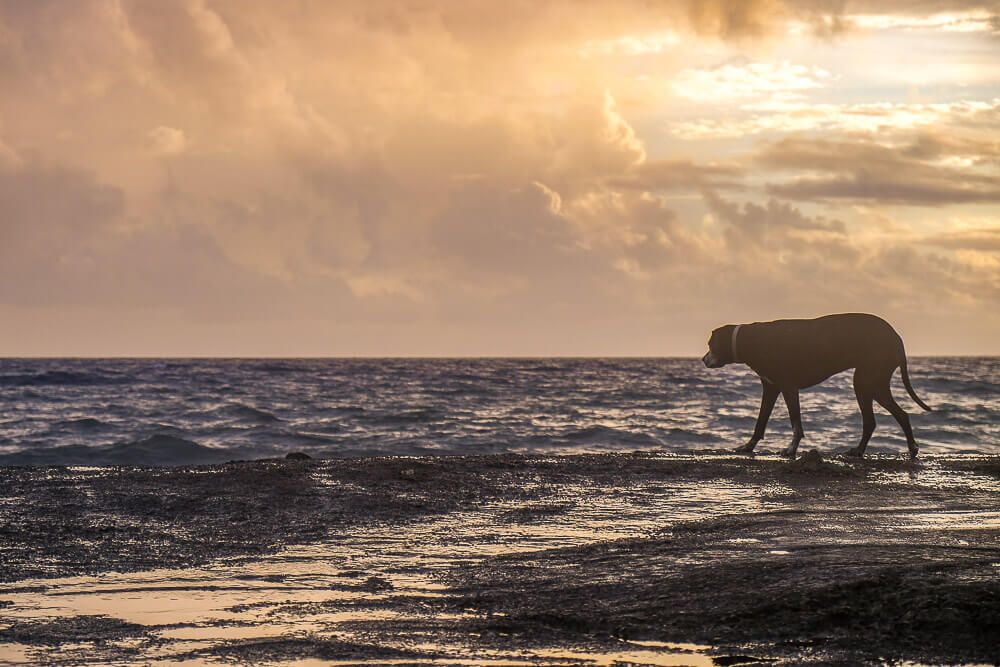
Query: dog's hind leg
x=885, y=399
x=792, y=402
x=862, y=389
x=767, y=399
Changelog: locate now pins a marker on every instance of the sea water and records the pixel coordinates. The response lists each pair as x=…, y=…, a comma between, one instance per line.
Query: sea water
x=179, y=411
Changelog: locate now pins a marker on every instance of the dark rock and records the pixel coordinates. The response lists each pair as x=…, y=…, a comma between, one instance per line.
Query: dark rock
x=377, y=584
x=271, y=649
x=298, y=456
x=810, y=461
x=71, y=630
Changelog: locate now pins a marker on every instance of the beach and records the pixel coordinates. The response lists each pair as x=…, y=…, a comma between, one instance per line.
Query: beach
x=697, y=558
x=500, y=334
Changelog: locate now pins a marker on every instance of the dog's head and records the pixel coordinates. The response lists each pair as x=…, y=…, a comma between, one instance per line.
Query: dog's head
x=720, y=347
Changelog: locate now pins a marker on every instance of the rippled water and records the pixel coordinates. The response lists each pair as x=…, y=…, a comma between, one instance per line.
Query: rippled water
x=194, y=411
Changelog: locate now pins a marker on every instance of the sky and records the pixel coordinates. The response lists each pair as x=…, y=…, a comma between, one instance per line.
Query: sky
x=439, y=178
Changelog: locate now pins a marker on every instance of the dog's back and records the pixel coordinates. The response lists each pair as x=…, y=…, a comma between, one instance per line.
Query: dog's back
x=806, y=352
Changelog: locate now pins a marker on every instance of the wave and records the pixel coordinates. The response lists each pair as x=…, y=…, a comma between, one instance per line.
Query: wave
x=251, y=413
x=942, y=435
x=685, y=435
x=276, y=367
x=312, y=436
x=543, y=368
x=741, y=421
x=467, y=389
x=412, y=416
x=599, y=434
x=85, y=427
x=243, y=413
x=58, y=378
x=682, y=379
x=344, y=410
x=82, y=423
x=386, y=407
x=973, y=387
x=156, y=450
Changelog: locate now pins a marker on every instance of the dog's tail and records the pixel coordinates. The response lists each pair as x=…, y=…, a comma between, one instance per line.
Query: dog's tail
x=906, y=381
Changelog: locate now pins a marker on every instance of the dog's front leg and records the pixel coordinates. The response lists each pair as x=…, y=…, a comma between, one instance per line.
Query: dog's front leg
x=792, y=402
x=767, y=399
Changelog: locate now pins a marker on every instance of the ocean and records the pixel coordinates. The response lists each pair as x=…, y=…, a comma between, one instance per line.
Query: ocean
x=193, y=411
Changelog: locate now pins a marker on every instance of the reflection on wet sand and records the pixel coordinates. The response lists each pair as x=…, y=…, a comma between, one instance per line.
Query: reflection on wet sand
x=342, y=586
x=430, y=590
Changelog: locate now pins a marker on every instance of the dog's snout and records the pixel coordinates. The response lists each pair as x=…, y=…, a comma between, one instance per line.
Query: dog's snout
x=708, y=360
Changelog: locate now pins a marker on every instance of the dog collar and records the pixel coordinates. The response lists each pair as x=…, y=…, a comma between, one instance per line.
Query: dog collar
x=735, y=331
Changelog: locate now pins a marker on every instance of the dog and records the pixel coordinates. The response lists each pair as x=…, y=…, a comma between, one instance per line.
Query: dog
x=790, y=355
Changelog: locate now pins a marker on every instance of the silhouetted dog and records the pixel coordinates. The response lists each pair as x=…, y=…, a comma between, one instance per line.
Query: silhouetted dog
x=789, y=355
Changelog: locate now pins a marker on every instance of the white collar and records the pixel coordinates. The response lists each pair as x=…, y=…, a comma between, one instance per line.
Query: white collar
x=735, y=331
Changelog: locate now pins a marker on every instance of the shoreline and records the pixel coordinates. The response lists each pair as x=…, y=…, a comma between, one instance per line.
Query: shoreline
x=707, y=556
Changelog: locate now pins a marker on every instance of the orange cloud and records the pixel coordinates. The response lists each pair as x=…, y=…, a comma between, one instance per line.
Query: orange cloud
x=448, y=178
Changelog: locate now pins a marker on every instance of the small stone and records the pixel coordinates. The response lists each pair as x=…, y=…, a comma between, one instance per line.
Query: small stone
x=810, y=461
x=377, y=584
x=408, y=474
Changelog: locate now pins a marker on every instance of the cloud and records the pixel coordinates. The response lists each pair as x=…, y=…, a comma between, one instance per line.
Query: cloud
x=748, y=80
x=631, y=45
x=514, y=234
x=864, y=170
x=776, y=227
x=863, y=185
x=636, y=233
x=67, y=242
x=680, y=175
x=444, y=178
x=952, y=147
x=812, y=264
x=8, y=157
x=832, y=18
x=165, y=140
x=783, y=116
x=737, y=19
x=970, y=20
x=52, y=217
x=986, y=239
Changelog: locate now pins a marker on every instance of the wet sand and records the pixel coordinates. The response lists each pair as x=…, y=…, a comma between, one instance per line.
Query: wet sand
x=698, y=559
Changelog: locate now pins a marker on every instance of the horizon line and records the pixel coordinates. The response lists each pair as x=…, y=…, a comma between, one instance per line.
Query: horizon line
x=406, y=357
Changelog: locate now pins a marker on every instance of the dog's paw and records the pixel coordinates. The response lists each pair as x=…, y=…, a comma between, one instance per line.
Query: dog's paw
x=788, y=453
x=855, y=452
x=745, y=449
x=913, y=452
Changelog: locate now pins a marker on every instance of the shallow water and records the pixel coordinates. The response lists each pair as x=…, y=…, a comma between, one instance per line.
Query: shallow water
x=365, y=583
x=204, y=411
x=397, y=586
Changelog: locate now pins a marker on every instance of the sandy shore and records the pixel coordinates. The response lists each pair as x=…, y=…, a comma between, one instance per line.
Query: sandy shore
x=696, y=559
